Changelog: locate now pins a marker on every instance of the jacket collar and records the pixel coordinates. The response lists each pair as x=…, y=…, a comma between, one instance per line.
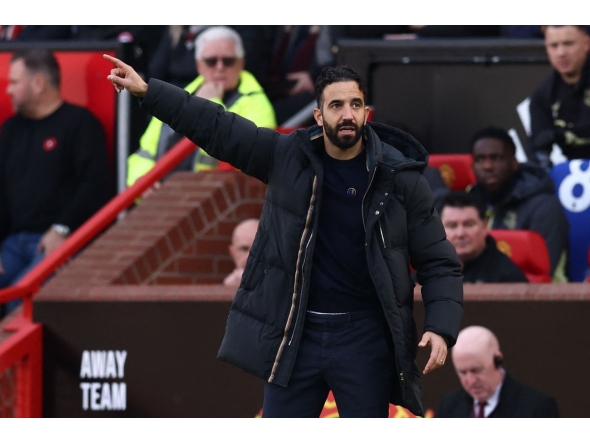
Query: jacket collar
x=384, y=144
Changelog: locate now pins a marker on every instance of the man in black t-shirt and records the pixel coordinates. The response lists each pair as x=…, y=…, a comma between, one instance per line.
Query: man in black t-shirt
x=560, y=106
x=54, y=171
x=463, y=217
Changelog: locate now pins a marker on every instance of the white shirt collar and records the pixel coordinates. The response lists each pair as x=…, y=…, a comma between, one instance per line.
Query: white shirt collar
x=492, y=401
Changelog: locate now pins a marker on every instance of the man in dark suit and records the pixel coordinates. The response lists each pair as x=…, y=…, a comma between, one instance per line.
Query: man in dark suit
x=488, y=391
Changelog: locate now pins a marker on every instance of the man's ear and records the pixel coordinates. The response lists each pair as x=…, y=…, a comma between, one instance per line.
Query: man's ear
x=38, y=83
x=367, y=112
x=317, y=115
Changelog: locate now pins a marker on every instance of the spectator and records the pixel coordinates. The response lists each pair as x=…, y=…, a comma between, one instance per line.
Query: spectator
x=136, y=42
x=463, y=217
x=488, y=390
x=54, y=172
x=299, y=55
x=518, y=196
x=560, y=106
x=219, y=56
x=174, y=58
x=239, y=249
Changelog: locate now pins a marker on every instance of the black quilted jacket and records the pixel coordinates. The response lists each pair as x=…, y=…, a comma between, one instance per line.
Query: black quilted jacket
x=266, y=317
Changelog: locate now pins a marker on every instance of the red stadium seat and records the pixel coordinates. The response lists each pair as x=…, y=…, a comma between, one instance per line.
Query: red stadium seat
x=528, y=250
x=455, y=169
x=83, y=82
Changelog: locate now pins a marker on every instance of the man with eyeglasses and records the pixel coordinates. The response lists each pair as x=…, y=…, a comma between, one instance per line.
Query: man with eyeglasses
x=219, y=56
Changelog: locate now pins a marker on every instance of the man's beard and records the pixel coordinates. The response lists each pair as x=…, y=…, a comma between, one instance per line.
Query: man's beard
x=343, y=142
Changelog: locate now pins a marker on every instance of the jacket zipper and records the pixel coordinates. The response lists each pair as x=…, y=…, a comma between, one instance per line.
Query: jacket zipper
x=365, y=195
x=382, y=237
x=295, y=288
x=302, y=285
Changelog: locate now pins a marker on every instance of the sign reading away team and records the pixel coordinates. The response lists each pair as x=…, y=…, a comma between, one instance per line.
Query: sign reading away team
x=101, y=372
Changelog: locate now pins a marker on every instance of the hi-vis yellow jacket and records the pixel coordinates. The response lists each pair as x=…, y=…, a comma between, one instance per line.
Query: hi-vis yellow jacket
x=250, y=102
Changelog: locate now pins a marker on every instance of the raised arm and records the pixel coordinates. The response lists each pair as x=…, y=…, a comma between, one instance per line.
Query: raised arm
x=224, y=135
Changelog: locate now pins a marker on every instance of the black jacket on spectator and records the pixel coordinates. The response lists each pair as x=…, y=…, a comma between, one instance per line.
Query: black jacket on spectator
x=516, y=401
x=564, y=108
x=266, y=317
x=492, y=266
x=528, y=202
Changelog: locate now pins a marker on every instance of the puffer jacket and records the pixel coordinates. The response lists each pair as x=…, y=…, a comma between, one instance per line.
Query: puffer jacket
x=266, y=317
x=531, y=204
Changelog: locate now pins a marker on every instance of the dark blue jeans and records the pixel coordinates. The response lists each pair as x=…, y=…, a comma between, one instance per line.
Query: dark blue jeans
x=19, y=255
x=350, y=354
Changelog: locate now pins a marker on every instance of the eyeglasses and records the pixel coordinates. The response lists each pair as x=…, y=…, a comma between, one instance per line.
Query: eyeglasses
x=228, y=62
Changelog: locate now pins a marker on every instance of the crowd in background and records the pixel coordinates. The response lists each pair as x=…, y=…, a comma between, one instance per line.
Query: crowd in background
x=284, y=61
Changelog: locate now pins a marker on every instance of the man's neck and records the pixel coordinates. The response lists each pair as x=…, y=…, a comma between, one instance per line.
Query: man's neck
x=44, y=108
x=572, y=79
x=343, y=154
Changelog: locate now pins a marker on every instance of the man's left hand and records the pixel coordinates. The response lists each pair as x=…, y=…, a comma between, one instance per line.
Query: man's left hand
x=50, y=241
x=438, y=352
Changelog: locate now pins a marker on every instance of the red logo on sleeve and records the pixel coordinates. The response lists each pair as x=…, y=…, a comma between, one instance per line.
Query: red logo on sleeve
x=49, y=143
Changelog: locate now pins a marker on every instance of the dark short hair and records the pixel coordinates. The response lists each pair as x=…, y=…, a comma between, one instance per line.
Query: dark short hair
x=493, y=132
x=40, y=61
x=462, y=199
x=581, y=28
x=331, y=75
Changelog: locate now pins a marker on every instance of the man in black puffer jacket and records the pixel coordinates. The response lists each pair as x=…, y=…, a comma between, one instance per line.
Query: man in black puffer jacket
x=325, y=302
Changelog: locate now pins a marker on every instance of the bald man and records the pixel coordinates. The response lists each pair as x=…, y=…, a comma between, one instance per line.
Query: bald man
x=239, y=249
x=488, y=390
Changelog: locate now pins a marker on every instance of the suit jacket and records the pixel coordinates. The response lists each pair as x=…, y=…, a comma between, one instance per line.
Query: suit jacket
x=516, y=401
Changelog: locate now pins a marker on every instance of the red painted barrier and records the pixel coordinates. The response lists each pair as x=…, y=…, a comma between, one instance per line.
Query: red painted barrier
x=23, y=349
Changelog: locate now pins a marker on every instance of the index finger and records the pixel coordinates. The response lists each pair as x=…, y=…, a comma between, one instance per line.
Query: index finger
x=114, y=60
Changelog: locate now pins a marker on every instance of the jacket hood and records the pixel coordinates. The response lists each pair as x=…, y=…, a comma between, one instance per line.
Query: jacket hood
x=531, y=180
x=389, y=145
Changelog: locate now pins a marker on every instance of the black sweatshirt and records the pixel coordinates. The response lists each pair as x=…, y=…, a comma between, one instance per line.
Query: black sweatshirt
x=53, y=170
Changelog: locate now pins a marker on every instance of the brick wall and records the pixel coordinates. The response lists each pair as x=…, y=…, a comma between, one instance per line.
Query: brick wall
x=178, y=235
